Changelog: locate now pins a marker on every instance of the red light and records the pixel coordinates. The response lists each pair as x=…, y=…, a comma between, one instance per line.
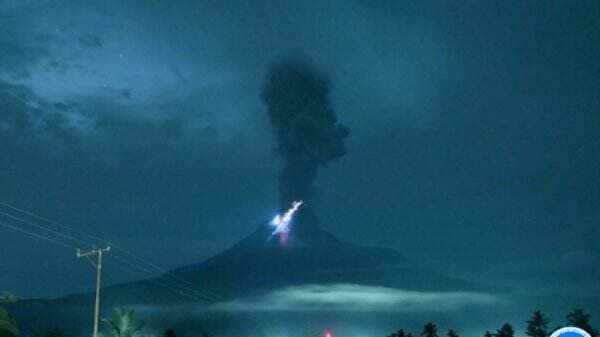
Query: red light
x=283, y=238
x=328, y=334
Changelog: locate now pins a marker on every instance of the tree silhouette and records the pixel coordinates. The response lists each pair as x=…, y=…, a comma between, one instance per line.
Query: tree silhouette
x=169, y=333
x=123, y=324
x=580, y=319
x=452, y=333
x=537, y=325
x=429, y=330
x=488, y=334
x=505, y=331
x=401, y=333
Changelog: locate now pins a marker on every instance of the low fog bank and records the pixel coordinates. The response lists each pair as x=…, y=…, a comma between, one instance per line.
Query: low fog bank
x=363, y=311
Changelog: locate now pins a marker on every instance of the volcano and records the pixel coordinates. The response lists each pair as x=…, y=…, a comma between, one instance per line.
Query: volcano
x=312, y=256
x=252, y=267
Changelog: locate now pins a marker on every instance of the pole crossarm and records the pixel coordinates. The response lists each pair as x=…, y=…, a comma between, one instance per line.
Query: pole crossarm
x=92, y=252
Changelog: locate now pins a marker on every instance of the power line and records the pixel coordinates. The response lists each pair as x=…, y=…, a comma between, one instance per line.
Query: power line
x=177, y=281
x=159, y=269
x=133, y=269
x=167, y=287
x=174, y=277
x=198, y=294
x=35, y=235
x=39, y=217
x=63, y=244
x=68, y=237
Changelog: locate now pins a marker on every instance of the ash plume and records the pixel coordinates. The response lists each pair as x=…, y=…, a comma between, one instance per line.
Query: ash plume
x=307, y=131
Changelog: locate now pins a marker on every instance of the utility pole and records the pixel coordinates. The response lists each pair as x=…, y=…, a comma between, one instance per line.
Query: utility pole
x=98, y=266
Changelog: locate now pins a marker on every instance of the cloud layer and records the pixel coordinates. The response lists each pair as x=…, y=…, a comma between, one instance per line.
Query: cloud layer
x=354, y=297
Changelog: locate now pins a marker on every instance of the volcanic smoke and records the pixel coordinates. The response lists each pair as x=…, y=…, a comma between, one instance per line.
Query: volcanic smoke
x=307, y=132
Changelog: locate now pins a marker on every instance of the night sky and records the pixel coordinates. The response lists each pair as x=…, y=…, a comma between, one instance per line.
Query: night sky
x=475, y=143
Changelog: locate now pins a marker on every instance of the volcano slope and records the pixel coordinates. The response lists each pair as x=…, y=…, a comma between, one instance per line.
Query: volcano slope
x=256, y=265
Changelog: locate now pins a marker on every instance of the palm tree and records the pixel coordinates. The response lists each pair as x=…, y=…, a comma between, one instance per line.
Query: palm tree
x=401, y=333
x=452, y=333
x=429, y=330
x=505, y=331
x=123, y=324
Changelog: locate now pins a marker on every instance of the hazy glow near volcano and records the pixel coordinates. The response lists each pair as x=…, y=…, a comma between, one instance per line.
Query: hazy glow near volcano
x=282, y=223
x=356, y=297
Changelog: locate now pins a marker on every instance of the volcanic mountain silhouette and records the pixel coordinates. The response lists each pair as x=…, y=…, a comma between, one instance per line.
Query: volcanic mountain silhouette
x=260, y=263
x=254, y=266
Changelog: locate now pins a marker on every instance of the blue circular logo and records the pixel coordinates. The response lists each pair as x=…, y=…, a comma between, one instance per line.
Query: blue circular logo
x=570, y=331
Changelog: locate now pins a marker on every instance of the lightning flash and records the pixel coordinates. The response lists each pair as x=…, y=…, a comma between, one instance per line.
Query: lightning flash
x=282, y=223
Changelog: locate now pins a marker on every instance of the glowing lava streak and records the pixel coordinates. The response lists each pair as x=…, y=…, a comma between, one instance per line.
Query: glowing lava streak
x=282, y=223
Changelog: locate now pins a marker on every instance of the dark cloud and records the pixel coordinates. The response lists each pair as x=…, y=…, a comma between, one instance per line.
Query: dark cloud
x=306, y=127
x=19, y=49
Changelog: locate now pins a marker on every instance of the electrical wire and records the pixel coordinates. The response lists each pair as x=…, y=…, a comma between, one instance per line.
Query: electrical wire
x=159, y=269
x=178, y=284
x=35, y=235
x=136, y=271
x=39, y=217
x=96, y=237
x=68, y=237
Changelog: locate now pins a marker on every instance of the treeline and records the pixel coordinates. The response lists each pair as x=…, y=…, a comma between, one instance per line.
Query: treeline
x=122, y=323
x=537, y=326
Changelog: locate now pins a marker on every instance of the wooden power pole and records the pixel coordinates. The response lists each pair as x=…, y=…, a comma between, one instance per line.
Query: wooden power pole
x=98, y=266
